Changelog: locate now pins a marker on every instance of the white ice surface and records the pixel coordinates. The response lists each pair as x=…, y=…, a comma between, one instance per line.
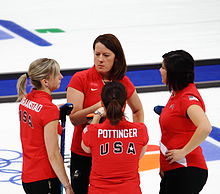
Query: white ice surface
x=149, y=179
x=146, y=29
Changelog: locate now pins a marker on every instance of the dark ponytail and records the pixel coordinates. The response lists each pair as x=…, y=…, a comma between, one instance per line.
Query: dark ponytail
x=114, y=96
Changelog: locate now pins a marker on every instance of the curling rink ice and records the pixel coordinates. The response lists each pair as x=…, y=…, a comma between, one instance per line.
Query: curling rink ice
x=10, y=149
x=65, y=30
x=146, y=28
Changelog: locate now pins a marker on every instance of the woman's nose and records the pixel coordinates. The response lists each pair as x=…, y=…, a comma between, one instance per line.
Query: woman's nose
x=100, y=58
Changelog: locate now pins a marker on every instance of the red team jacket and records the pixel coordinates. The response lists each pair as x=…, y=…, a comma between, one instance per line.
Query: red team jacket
x=115, y=155
x=90, y=83
x=35, y=111
x=177, y=128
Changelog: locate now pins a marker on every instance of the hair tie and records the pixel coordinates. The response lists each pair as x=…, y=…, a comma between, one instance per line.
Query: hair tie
x=113, y=97
x=27, y=75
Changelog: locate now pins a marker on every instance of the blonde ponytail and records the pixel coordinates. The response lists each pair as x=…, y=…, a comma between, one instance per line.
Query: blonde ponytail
x=38, y=70
x=21, y=86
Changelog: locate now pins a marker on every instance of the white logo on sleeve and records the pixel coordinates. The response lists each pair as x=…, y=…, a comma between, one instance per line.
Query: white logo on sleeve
x=85, y=130
x=171, y=106
x=193, y=98
x=93, y=89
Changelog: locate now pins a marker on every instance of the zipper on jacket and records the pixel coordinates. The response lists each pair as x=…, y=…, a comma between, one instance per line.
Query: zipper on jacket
x=49, y=185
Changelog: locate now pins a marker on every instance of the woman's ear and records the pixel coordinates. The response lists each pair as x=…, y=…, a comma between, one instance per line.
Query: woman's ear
x=44, y=83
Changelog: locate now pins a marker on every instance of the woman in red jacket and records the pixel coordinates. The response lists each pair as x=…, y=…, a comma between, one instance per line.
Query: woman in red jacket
x=43, y=168
x=116, y=145
x=84, y=91
x=184, y=126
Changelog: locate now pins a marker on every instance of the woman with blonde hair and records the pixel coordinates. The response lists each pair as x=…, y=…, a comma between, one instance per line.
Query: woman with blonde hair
x=42, y=167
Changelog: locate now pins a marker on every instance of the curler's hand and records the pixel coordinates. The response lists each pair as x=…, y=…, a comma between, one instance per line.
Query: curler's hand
x=97, y=117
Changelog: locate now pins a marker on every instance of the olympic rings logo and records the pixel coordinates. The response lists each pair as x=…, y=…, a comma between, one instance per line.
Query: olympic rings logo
x=8, y=164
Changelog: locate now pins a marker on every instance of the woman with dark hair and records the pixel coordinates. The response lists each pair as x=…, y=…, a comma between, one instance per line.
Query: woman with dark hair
x=184, y=126
x=84, y=91
x=116, y=145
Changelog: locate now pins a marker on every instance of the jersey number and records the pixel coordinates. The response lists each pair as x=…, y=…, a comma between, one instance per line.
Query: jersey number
x=117, y=148
x=26, y=118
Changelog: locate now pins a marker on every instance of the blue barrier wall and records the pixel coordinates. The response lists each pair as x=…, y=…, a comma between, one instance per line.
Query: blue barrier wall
x=147, y=77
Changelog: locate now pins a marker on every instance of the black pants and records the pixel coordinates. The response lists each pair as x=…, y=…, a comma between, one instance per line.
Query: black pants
x=80, y=167
x=47, y=186
x=186, y=180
